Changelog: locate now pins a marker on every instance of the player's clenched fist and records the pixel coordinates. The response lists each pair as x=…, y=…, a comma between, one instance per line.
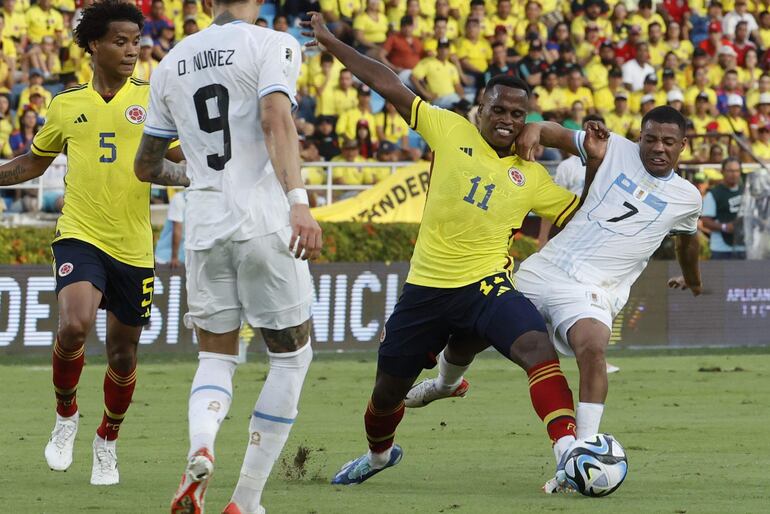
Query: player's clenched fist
x=306, y=240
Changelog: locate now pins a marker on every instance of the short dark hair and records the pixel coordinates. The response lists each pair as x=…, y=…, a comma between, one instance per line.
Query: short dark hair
x=666, y=114
x=730, y=159
x=508, y=81
x=98, y=16
x=498, y=43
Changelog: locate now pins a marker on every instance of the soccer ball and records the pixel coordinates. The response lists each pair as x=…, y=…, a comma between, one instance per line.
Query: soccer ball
x=596, y=465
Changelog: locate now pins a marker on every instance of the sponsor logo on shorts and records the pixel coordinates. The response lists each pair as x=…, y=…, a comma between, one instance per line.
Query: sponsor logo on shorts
x=65, y=269
x=516, y=176
x=255, y=438
x=214, y=406
x=136, y=114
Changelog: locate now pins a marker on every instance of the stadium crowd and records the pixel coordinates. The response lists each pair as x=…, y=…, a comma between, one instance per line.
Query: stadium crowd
x=616, y=59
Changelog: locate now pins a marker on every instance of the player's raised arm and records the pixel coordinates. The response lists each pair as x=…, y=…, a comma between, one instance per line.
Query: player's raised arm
x=283, y=147
x=372, y=73
x=687, y=253
x=150, y=164
x=553, y=135
x=23, y=168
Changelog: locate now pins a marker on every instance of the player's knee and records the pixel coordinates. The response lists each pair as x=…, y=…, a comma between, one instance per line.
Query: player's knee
x=589, y=351
x=532, y=348
x=72, y=333
x=389, y=391
x=122, y=359
x=287, y=340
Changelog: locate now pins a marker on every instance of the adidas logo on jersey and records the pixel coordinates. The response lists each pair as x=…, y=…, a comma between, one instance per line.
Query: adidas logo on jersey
x=81, y=119
x=467, y=150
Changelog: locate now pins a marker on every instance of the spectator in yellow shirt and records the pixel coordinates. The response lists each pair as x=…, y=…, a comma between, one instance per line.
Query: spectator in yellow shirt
x=649, y=88
x=35, y=81
x=44, y=20
x=576, y=91
x=504, y=18
x=345, y=95
x=145, y=64
x=392, y=127
x=370, y=28
x=532, y=15
x=753, y=97
x=443, y=10
x=592, y=13
x=681, y=47
x=437, y=80
x=702, y=117
x=15, y=26
x=645, y=17
x=604, y=99
x=191, y=11
x=474, y=52
x=701, y=86
x=550, y=97
x=440, y=32
x=761, y=147
x=655, y=44
x=348, y=175
x=619, y=120
x=733, y=122
x=479, y=13
x=347, y=124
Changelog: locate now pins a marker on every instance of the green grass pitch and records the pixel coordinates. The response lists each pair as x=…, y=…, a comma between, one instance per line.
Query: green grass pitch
x=696, y=440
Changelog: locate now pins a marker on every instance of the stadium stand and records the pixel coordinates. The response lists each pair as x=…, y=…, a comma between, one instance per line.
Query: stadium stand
x=617, y=59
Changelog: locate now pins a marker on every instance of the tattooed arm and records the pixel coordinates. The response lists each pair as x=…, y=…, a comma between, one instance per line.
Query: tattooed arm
x=23, y=168
x=283, y=147
x=150, y=165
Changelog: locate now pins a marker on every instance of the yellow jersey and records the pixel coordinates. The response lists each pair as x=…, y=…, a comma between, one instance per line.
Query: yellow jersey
x=478, y=54
x=42, y=23
x=374, y=31
x=348, y=121
x=476, y=200
x=104, y=203
x=15, y=24
x=393, y=126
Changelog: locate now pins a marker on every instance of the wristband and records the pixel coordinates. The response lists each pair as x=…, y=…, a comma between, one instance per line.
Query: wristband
x=298, y=196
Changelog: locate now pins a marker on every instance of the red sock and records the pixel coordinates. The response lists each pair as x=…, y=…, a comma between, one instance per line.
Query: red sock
x=67, y=366
x=552, y=399
x=381, y=426
x=118, y=390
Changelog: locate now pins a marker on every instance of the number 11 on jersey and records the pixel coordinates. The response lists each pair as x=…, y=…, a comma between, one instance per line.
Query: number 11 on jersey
x=472, y=193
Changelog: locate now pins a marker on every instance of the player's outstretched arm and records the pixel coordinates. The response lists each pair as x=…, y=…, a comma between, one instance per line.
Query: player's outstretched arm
x=687, y=253
x=150, y=164
x=23, y=168
x=372, y=73
x=283, y=147
x=553, y=135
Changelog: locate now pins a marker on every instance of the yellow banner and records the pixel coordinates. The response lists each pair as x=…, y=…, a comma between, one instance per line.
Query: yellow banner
x=398, y=199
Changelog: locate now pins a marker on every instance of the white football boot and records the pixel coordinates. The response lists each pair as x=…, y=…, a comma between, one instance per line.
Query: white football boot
x=426, y=392
x=105, y=466
x=58, y=451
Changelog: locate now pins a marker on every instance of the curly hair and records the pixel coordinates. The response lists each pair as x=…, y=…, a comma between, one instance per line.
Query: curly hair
x=97, y=17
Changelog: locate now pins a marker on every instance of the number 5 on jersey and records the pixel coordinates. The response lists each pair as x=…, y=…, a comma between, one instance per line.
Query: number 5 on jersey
x=110, y=153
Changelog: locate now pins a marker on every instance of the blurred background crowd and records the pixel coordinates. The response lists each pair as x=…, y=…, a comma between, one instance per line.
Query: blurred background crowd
x=610, y=58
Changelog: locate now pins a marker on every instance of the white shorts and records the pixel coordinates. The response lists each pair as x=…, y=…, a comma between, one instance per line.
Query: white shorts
x=562, y=300
x=257, y=281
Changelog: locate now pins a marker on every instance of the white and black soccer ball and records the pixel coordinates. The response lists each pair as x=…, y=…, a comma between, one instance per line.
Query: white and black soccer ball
x=596, y=465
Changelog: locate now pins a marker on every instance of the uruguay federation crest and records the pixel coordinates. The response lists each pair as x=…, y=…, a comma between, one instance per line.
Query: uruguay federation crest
x=516, y=176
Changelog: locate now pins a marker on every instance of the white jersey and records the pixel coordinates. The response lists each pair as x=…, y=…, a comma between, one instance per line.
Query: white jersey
x=571, y=175
x=206, y=91
x=626, y=215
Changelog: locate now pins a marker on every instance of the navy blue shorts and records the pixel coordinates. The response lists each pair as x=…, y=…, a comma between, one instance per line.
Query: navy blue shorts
x=425, y=317
x=126, y=290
